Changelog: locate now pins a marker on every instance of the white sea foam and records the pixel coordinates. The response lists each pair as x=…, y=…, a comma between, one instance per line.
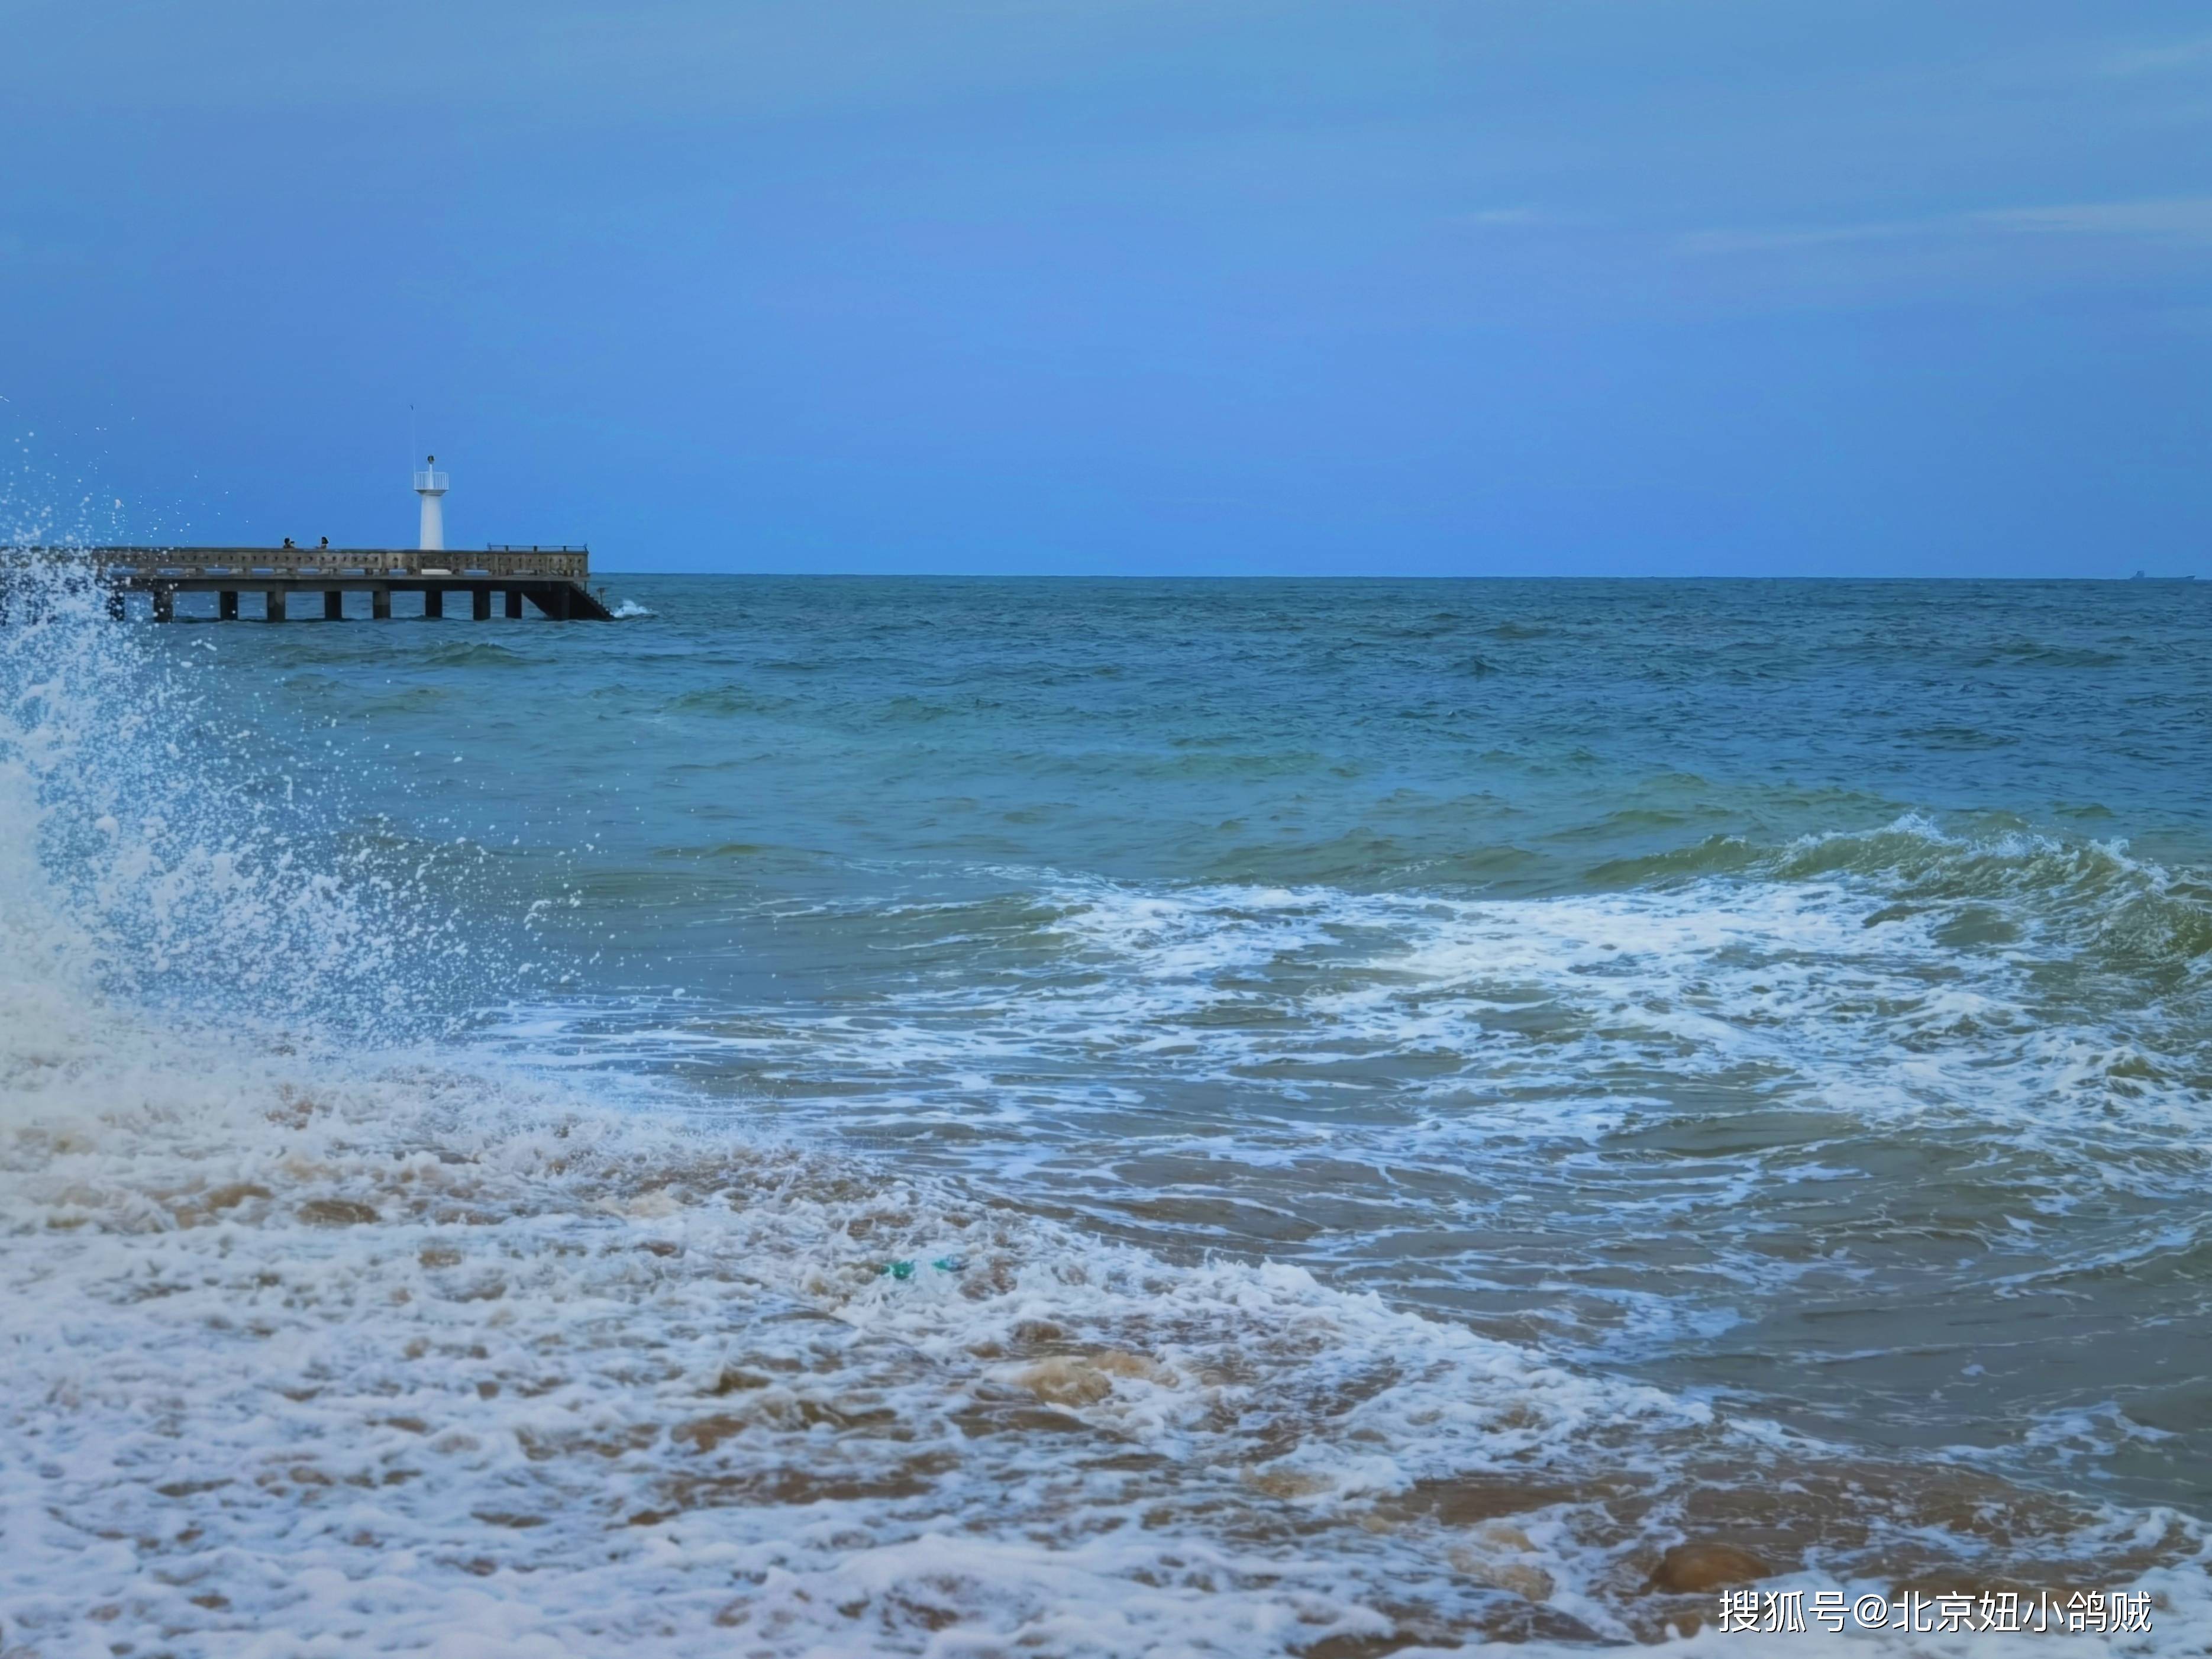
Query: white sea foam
x=1564, y=1016
x=1829, y=984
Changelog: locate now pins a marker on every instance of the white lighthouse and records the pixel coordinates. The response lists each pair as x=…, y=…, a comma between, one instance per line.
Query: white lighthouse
x=430, y=485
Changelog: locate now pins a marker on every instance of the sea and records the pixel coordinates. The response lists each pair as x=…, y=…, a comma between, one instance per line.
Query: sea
x=1037, y=1117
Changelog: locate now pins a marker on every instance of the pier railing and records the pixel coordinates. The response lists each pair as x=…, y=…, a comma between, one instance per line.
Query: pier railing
x=573, y=563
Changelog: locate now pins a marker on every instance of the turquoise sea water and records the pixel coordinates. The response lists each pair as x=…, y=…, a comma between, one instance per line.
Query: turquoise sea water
x=1790, y=1003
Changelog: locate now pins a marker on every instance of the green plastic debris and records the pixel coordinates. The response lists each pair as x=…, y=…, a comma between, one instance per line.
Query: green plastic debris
x=944, y=1264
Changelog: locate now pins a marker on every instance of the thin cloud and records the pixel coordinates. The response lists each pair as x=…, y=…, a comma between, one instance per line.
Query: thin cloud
x=2182, y=219
x=2174, y=219
x=2160, y=60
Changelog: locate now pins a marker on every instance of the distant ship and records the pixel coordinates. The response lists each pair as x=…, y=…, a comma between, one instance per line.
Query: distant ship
x=2140, y=577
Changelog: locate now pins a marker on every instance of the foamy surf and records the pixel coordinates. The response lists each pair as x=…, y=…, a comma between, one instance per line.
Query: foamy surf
x=420, y=1361
x=1631, y=1126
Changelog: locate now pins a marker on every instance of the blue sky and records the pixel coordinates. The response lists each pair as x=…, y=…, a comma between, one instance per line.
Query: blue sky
x=1159, y=286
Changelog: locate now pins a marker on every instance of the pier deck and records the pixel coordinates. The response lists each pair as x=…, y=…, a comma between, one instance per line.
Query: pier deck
x=551, y=579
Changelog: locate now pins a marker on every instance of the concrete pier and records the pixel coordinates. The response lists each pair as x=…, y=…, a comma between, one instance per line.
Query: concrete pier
x=552, y=580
